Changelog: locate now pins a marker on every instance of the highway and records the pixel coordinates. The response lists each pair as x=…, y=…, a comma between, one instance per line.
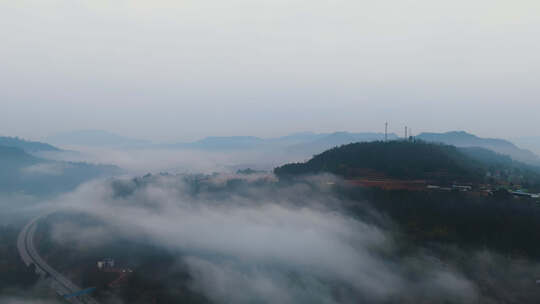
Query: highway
x=29, y=255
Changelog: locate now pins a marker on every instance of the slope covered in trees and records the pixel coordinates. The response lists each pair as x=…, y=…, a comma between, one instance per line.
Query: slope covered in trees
x=413, y=160
x=397, y=159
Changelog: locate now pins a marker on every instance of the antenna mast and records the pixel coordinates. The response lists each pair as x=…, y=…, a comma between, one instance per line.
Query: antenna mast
x=405, y=132
x=386, y=131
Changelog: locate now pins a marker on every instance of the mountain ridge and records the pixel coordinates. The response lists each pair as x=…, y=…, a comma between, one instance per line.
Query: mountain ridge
x=27, y=145
x=26, y=173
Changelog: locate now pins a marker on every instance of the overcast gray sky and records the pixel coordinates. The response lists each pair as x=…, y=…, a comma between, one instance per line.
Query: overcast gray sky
x=176, y=70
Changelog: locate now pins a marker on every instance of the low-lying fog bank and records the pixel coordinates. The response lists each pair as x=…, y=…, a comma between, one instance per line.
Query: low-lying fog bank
x=140, y=161
x=252, y=238
x=244, y=238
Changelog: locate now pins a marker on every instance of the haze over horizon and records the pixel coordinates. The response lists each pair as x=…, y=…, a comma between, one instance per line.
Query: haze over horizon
x=171, y=71
x=234, y=151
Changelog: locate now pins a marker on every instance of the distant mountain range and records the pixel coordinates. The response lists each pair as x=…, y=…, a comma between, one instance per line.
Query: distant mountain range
x=97, y=138
x=531, y=142
x=299, y=144
x=464, y=139
x=312, y=143
x=309, y=141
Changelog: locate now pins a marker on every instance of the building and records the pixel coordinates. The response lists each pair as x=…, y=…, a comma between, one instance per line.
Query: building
x=107, y=263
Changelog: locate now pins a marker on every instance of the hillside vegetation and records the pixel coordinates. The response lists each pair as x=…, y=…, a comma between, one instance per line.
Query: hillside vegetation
x=397, y=159
x=413, y=160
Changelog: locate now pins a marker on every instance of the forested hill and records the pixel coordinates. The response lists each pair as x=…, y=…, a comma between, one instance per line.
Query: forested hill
x=401, y=159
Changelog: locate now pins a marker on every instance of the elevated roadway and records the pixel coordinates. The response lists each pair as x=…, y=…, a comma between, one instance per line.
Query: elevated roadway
x=62, y=285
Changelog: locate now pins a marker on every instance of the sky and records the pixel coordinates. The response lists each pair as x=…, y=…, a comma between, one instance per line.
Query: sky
x=181, y=70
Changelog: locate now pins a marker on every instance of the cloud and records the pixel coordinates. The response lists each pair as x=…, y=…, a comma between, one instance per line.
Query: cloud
x=142, y=161
x=18, y=207
x=48, y=168
x=87, y=236
x=247, y=239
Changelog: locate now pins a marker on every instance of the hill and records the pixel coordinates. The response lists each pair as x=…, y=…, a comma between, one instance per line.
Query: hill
x=413, y=160
x=28, y=146
x=22, y=172
x=464, y=139
x=396, y=159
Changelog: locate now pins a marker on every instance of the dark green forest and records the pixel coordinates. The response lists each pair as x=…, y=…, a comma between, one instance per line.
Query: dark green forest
x=416, y=159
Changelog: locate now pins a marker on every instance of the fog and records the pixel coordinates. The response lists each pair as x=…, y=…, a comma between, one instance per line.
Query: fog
x=165, y=74
x=244, y=238
x=290, y=244
x=168, y=70
x=142, y=161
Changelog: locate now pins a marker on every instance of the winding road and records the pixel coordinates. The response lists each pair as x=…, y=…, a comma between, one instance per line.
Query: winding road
x=29, y=255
